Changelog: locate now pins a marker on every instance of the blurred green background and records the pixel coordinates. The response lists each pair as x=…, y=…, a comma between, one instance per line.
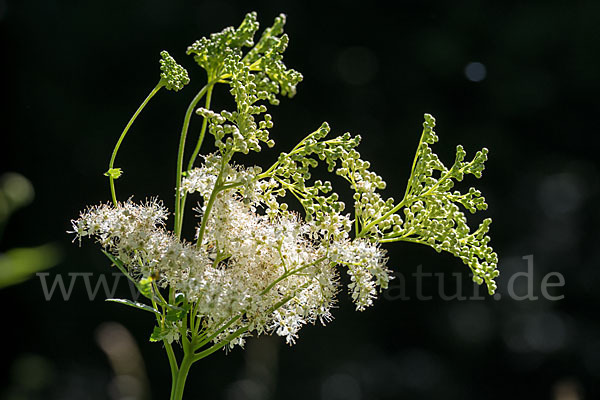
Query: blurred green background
x=521, y=78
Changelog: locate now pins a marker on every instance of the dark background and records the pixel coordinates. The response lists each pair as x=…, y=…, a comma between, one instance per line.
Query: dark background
x=73, y=73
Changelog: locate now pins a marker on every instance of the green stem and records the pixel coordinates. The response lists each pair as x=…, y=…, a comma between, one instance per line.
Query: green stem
x=178, y=385
x=203, y=130
x=403, y=239
x=196, y=151
x=212, y=349
x=366, y=229
x=180, y=374
x=409, y=186
x=268, y=172
x=290, y=273
x=172, y=360
x=116, y=149
x=184, y=131
x=168, y=347
x=207, y=339
x=211, y=201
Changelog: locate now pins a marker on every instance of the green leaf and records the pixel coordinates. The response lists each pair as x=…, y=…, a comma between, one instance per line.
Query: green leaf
x=135, y=304
x=145, y=287
x=114, y=173
x=164, y=333
x=179, y=298
x=159, y=334
x=174, y=315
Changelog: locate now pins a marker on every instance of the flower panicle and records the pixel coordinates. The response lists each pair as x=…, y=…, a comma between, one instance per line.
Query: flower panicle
x=248, y=263
x=256, y=266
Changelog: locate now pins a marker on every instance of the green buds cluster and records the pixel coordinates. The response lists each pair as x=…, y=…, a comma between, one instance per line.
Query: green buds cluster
x=433, y=212
x=292, y=173
x=173, y=75
x=222, y=57
x=266, y=58
x=259, y=75
x=430, y=212
x=239, y=130
x=211, y=53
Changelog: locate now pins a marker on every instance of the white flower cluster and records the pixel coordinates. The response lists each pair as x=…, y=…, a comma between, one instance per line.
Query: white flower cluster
x=275, y=273
x=366, y=267
x=135, y=234
x=257, y=252
x=203, y=179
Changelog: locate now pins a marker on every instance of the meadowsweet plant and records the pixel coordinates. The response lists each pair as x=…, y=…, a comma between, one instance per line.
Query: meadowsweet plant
x=254, y=266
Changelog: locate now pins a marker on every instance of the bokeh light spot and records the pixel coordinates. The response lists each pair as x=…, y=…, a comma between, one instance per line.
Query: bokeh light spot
x=475, y=71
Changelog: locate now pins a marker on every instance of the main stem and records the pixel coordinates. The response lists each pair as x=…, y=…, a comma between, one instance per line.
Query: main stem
x=116, y=149
x=178, y=384
x=190, y=355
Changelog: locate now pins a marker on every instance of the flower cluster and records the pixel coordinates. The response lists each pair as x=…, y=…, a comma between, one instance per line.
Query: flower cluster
x=174, y=76
x=135, y=234
x=254, y=265
x=203, y=180
x=275, y=272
